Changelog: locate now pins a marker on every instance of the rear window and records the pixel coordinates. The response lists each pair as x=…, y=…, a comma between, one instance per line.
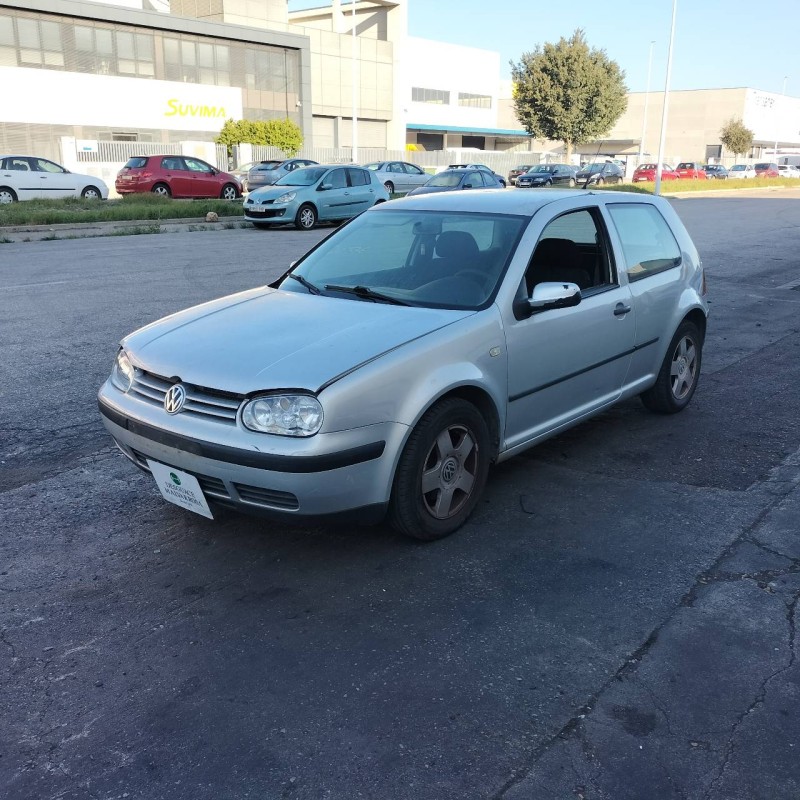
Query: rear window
x=648, y=243
x=268, y=165
x=762, y=166
x=686, y=165
x=137, y=162
x=648, y=166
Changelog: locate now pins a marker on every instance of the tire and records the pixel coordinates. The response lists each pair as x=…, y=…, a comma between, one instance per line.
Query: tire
x=572, y=183
x=7, y=195
x=503, y=183
x=547, y=184
x=448, y=452
x=389, y=186
x=229, y=192
x=91, y=193
x=306, y=218
x=600, y=181
x=162, y=190
x=679, y=373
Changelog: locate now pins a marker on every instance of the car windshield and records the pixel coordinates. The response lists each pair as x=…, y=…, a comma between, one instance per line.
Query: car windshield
x=302, y=177
x=420, y=258
x=540, y=168
x=446, y=179
x=738, y=167
x=268, y=165
x=593, y=168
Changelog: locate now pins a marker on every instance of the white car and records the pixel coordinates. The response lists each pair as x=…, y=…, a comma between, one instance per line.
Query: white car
x=30, y=177
x=742, y=171
x=788, y=171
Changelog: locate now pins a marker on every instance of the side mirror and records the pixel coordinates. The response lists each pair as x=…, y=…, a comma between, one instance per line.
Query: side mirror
x=467, y=185
x=323, y=187
x=547, y=296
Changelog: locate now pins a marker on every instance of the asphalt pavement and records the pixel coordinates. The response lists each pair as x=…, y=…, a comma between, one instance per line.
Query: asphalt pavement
x=617, y=620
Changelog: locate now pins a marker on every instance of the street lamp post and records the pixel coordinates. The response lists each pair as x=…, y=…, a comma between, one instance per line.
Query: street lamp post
x=355, y=92
x=666, y=101
x=783, y=92
x=646, y=98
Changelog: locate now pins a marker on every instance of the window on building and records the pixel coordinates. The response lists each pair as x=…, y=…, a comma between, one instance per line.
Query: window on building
x=436, y=96
x=8, y=51
x=474, y=100
x=40, y=43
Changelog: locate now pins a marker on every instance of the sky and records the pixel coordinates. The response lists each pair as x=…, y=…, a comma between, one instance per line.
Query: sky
x=718, y=43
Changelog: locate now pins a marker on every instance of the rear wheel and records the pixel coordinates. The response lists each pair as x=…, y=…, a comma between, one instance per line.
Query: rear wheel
x=571, y=183
x=442, y=471
x=306, y=218
x=229, y=192
x=600, y=181
x=162, y=190
x=91, y=193
x=7, y=195
x=679, y=373
x=389, y=186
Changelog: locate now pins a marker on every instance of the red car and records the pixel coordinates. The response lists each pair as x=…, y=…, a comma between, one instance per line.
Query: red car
x=647, y=172
x=766, y=170
x=691, y=169
x=176, y=176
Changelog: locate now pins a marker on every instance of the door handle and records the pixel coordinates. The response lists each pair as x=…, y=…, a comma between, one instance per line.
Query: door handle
x=620, y=310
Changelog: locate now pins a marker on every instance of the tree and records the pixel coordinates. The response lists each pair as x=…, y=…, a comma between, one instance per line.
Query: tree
x=736, y=137
x=568, y=92
x=281, y=133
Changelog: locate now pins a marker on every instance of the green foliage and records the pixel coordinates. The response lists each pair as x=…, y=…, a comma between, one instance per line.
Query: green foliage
x=736, y=137
x=568, y=92
x=281, y=133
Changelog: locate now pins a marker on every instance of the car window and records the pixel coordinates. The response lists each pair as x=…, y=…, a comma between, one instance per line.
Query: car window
x=648, y=243
x=268, y=165
x=448, y=179
x=336, y=179
x=18, y=164
x=172, y=163
x=43, y=165
x=413, y=169
x=475, y=179
x=572, y=249
x=195, y=165
x=358, y=177
x=137, y=162
x=374, y=167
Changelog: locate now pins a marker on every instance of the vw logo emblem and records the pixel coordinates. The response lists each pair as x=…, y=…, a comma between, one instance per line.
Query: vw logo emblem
x=174, y=399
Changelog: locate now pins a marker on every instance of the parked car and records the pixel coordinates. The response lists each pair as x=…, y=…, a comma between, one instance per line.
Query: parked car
x=31, y=177
x=458, y=178
x=547, y=175
x=514, y=173
x=398, y=176
x=647, y=172
x=742, y=171
x=482, y=168
x=266, y=173
x=607, y=172
x=242, y=171
x=788, y=171
x=315, y=194
x=716, y=171
x=431, y=337
x=766, y=169
x=691, y=170
x=176, y=176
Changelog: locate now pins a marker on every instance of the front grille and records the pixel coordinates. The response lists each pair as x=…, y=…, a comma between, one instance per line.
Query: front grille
x=257, y=495
x=215, y=488
x=201, y=402
x=265, y=213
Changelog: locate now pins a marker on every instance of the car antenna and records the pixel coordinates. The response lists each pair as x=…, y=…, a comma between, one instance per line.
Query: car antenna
x=594, y=161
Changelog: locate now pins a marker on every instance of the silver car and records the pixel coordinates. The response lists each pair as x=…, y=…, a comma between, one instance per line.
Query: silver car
x=429, y=338
x=399, y=177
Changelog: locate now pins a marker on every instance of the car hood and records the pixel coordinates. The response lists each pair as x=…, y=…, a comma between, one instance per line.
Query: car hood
x=272, y=192
x=434, y=189
x=271, y=339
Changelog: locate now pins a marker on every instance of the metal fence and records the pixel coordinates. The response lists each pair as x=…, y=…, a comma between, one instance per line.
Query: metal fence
x=120, y=152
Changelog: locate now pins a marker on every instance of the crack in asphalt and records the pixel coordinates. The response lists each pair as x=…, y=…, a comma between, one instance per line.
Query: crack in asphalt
x=631, y=662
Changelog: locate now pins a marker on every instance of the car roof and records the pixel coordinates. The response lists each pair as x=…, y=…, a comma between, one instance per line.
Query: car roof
x=503, y=201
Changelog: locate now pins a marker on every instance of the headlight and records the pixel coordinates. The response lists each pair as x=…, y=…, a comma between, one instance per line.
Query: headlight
x=284, y=414
x=286, y=198
x=122, y=372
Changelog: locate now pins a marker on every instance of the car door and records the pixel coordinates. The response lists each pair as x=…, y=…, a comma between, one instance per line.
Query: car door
x=360, y=190
x=415, y=176
x=564, y=363
x=18, y=174
x=175, y=173
x=203, y=180
x=54, y=180
x=334, y=200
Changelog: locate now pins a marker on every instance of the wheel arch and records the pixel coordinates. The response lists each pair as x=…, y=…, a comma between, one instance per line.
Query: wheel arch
x=699, y=319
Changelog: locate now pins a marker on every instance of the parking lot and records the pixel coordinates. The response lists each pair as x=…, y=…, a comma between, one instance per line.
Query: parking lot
x=617, y=619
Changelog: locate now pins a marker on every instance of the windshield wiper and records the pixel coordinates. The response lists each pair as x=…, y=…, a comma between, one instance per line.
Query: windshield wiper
x=310, y=286
x=366, y=293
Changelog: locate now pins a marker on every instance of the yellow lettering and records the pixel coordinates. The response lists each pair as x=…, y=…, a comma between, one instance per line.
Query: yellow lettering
x=172, y=105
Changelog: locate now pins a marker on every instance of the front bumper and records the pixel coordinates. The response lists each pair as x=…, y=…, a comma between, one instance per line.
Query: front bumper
x=340, y=475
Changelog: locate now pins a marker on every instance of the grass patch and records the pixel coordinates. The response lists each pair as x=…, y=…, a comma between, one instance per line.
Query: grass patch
x=681, y=186
x=75, y=210
x=633, y=188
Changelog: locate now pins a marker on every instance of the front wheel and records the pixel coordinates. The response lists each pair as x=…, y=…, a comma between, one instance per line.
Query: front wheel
x=442, y=471
x=600, y=181
x=572, y=183
x=229, y=192
x=306, y=218
x=679, y=373
x=91, y=193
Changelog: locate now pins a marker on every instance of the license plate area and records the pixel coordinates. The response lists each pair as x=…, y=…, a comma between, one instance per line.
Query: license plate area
x=180, y=488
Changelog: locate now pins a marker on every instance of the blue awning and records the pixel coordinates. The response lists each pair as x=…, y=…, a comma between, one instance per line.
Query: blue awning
x=457, y=129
